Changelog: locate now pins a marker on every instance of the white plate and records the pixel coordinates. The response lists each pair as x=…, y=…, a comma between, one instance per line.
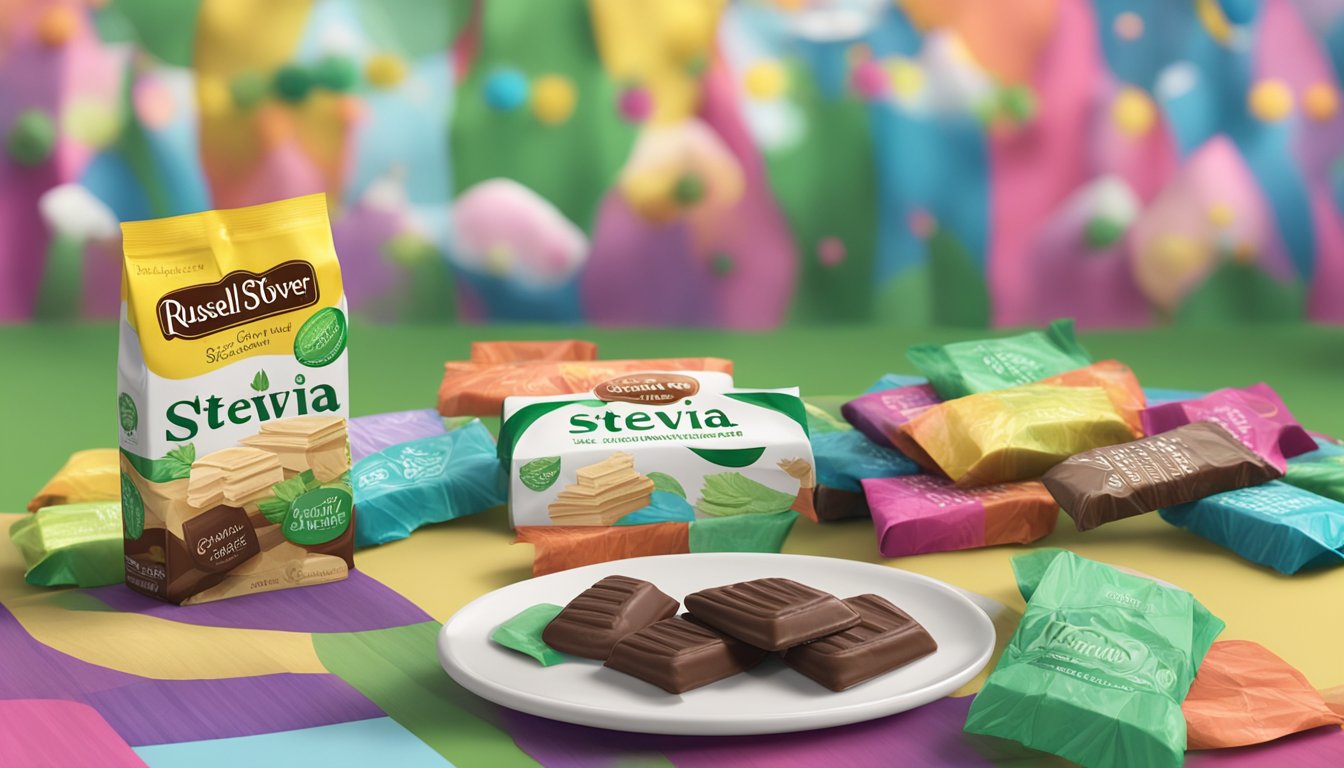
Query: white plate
x=769, y=699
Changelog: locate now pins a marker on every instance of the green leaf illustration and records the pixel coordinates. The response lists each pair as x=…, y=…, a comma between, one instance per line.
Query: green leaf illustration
x=667, y=483
x=276, y=508
x=260, y=382
x=731, y=493
x=175, y=465
x=540, y=474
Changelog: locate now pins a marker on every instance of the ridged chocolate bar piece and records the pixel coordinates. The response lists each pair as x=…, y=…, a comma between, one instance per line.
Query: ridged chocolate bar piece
x=602, y=615
x=885, y=638
x=771, y=614
x=1182, y=465
x=680, y=654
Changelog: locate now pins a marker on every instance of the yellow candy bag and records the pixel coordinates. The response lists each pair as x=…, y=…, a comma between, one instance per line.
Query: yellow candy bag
x=90, y=475
x=1015, y=434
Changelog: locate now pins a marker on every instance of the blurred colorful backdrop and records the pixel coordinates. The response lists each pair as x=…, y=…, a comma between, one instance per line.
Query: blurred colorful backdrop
x=739, y=164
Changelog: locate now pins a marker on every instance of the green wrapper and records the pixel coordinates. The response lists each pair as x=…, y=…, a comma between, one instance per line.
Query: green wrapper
x=1323, y=477
x=72, y=545
x=967, y=367
x=522, y=633
x=1099, y=666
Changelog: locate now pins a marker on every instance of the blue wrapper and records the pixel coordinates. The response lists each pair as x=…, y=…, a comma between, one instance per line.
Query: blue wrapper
x=425, y=481
x=1274, y=524
x=843, y=459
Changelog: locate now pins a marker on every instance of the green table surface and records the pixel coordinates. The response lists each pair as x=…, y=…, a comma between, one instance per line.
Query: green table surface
x=58, y=386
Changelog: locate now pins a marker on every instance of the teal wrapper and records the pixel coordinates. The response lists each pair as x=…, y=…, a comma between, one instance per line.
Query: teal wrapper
x=664, y=507
x=72, y=545
x=1098, y=667
x=425, y=481
x=1275, y=524
x=742, y=533
x=967, y=367
x=522, y=633
x=844, y=459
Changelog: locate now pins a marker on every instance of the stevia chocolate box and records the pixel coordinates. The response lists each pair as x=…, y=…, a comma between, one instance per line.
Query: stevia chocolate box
x=656, y=447
x=232, y=404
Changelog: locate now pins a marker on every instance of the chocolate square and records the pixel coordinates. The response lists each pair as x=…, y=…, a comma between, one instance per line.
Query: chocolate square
x=602, y=615
x=772, y=614
x=680, y=653
x=885, y=638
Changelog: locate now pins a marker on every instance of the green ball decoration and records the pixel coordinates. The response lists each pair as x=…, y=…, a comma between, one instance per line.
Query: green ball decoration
x=409, y=249
x=689, y=190
x=1018, y=102
x=248, y=90
x=722, y=264
x=293, y=83
x=1102, y=232
x=31, y=138
x=336, y=73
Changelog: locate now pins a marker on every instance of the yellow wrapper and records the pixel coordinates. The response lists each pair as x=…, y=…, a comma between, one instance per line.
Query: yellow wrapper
x=1016, y=434
x=91, y=475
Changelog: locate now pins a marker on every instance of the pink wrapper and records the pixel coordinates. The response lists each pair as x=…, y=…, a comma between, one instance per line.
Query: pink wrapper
x=917, y=514
x=871, y=413
x=1255, y=414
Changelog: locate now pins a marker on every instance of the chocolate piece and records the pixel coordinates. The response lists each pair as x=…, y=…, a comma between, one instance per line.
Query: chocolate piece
x=1183, y=465
x=885, y=638
x=680, y=653
x=220, y=538
x=772, y=614
x=606, y=612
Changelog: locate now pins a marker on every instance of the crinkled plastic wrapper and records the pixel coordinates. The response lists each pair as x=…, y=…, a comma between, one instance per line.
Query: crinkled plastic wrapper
x=92, y=475
x=878, y=414
x=844, y=460
x=1015, y=434
x=1246, y=695
x=559, y=548
x=968, y=367
x=425, y=481
x=1120, y=383
x=1098, y=667
x=1322, y=476
x=478, y=389
x=1256, y=415
x=918, y=514
x=72, y=545
x=531, y=351
x=1274, y=524
x=371, y=434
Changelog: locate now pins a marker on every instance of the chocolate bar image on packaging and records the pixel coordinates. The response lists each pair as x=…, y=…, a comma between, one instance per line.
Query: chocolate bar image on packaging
x=605, y=613
x=885, y=638
x=1183, y=465
x=680, y=654
x=771, y=614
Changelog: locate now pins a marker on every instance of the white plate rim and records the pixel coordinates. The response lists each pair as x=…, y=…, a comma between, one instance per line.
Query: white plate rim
x=682, y=724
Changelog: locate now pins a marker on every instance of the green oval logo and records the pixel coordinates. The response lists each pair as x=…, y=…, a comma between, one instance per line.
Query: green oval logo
x=321, y=338
x=540, y=474
x=127, y=413
x=132, y=510
x=318, y=516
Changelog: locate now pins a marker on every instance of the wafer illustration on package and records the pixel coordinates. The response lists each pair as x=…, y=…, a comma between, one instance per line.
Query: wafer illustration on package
x=602, y=494
x=232, y=404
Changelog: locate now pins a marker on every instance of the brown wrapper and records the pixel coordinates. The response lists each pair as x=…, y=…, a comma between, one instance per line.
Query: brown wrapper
x=1183, y=465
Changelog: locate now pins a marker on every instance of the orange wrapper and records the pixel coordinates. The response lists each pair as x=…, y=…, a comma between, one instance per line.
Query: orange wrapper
x=479, y=389
x=527, y=351
x=1246, y=695
x=1120, y=383
x=559, y=548
x=92, y=475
